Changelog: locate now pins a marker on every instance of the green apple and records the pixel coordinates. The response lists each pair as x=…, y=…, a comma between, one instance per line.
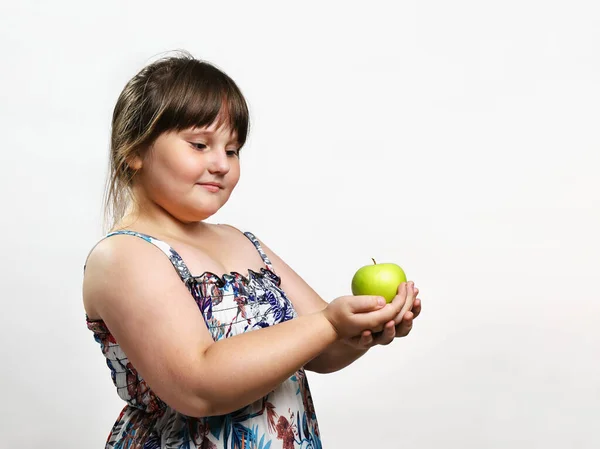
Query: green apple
x=378, y=280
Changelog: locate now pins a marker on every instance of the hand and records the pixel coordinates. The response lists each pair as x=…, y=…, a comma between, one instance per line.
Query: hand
x=349, y=315
x=403, y=323
x=399, y=327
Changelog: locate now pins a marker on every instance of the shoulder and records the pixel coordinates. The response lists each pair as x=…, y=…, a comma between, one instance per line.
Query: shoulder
x=119, y=263
x=234, y=234
x=229, y=230
x=119, y=250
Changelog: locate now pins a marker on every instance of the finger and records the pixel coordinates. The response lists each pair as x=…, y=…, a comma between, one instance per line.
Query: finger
x=400, y=297
x=401, y=288
x=377, y=319
x=355, y=341
x=405, y=326
x=366, y=339
x=374, y=320
x=388, y=334
x=377, y=329
x=416, y=310
x=410, y=298
x=408, y=304
x=365, y=335
x=363, y=304
x=406, y=318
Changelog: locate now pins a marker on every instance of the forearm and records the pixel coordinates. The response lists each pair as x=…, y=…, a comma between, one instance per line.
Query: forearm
x=336, y=356
x=246, y=367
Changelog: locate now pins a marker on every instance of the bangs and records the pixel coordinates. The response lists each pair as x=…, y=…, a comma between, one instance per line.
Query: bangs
x=198, y=96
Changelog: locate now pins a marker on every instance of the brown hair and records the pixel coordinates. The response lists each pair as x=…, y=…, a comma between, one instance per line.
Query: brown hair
x=171, y=94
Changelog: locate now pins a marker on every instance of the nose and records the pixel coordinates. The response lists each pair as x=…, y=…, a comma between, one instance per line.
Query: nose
x=219, y=163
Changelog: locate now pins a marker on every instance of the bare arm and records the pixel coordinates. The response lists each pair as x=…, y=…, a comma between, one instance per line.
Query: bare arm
x=339, y=354
x=240, y=374
x=152, y=315
x=307, y=301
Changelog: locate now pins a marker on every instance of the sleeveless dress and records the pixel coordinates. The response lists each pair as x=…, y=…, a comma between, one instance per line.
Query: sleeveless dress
x=231, y=304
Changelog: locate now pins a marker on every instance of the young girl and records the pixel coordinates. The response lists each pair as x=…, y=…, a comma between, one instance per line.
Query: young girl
x=205, y=359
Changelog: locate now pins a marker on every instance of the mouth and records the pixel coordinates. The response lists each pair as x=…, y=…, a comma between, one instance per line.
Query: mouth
x=211, y=186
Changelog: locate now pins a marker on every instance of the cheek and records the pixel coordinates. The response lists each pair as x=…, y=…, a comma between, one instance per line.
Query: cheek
x=234, y=172
x=185, y=168
x=170, y=176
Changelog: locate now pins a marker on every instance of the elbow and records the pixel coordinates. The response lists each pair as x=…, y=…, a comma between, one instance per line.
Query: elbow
x=200, y=402
x=191, y=405
x=185, y=395
x=203, y=392
x=319, y=368
x=204, y=409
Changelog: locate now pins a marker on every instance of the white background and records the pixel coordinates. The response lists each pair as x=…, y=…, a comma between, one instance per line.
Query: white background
x=457, y=139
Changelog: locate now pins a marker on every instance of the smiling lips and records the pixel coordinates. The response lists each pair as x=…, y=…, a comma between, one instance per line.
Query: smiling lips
x=211, y=186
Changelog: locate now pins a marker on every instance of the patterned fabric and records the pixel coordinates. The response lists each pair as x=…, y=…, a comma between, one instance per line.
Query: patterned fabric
x=231, y=304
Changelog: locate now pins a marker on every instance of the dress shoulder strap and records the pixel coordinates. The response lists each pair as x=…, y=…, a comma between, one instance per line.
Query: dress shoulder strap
x=174, y=257
x=262, y=253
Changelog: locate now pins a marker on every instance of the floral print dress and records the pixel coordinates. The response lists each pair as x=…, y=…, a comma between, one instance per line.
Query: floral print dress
x=231, y=304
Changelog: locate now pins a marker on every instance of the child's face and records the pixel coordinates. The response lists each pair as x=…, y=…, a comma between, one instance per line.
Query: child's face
x=191, y=173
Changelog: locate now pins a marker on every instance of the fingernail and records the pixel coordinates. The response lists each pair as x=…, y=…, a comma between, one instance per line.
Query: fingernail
x=380, y=301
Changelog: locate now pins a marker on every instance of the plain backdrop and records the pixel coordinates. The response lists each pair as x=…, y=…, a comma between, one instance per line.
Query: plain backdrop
x=457, y=139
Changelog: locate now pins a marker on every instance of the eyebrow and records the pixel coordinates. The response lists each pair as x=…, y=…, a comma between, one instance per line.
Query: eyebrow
x=205, y=132
x=198, y=131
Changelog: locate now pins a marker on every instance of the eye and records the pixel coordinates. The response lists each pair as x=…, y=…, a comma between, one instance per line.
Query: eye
x=198, y=146
x=233, y=153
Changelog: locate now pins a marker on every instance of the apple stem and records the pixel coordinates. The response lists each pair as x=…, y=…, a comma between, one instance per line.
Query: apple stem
x=374, y=263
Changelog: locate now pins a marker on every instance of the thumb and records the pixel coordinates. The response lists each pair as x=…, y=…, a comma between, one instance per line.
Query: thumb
x=363, y=304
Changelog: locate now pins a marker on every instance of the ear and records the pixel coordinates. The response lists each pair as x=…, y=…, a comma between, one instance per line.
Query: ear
x=135, y=162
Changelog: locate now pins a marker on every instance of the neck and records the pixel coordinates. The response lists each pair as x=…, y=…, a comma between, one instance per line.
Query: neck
x=150, y=218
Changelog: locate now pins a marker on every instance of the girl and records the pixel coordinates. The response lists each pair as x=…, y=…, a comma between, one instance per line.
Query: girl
x=204, y=359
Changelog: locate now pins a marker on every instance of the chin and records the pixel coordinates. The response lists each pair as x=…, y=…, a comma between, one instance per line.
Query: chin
x=204, y=213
